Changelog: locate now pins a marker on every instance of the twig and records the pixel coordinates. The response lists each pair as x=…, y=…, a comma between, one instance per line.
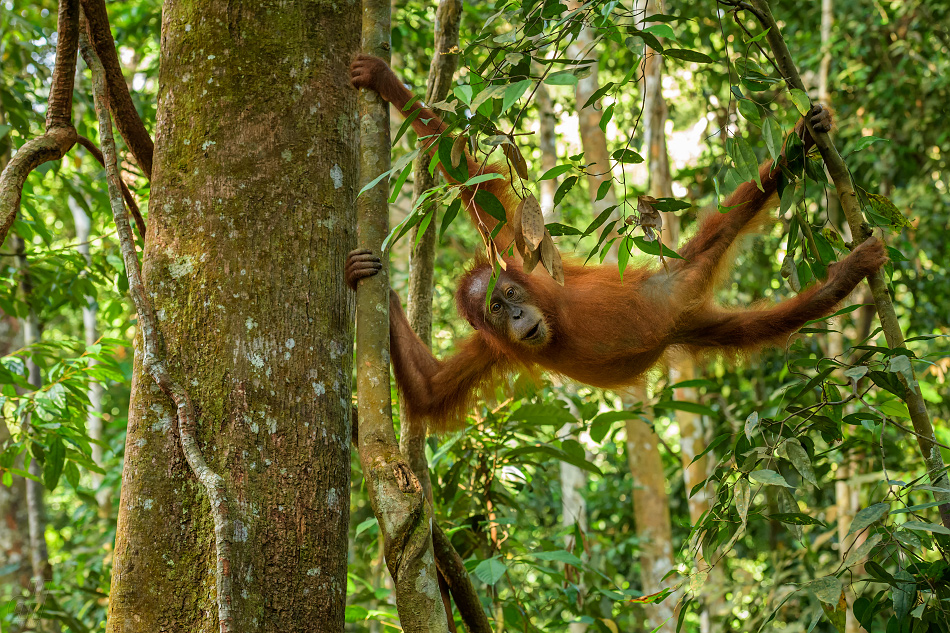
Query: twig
x=153, y=358
x=120, y=101
x=60, y=134
x=129, y=200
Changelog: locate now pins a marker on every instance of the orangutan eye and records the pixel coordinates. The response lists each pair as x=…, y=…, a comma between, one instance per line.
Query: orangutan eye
x=495, y=308
x=510, y=293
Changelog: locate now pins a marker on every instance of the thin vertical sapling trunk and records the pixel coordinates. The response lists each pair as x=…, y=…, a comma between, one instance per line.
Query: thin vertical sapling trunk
x=860, y=230
x=395, y=493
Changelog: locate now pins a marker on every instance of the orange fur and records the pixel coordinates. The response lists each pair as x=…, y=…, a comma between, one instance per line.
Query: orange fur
x=601, y=331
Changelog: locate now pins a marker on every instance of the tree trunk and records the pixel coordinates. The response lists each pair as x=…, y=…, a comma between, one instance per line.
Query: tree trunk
x=593, y=139
x=548, y=146
x=651, y=509
x=14, y=522
x=422, y=255
x=35, y=494
x=252, y=215
x=91, y=331
x=397, y=497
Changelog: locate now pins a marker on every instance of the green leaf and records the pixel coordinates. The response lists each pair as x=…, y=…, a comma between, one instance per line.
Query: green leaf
x=490, y=203
x=773, y=137
x=683, y=405
x=601, y=424
x=796, y=518
x=864, y=142
x=887, y=209
x=55, y=460
x=600, y=219
x=464, y=93
x=917, y=508
x=861, y=552
x=566, y=185
x=661, y=30
x=513, y=93
x=4, y=130
x=908, y=539
x=863, y=519
x=721, y=439
x=751, y=424
x=894, y=408
x=556, y=229
x=688, y=55
x=627, y=155
x=769, y=477
x=743, y=499
x=654, y=247
x=904, y=594
x=923, y=526
x=449, y=216
x=355, y=613
x=828, y=589
x=760, y=35
x=539, y=413
x=749, y=165
x=800, y=460
x=561, y=556
x=600, y=92
x=490, y=571
x=561, y=78
x=750, y=111
x=554, y=172
x=365, y=525
x=800, y=100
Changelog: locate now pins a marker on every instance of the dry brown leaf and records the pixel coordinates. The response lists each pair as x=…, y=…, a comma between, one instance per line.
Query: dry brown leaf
x=651, y=221
x=531, y=259
x=552, y=259
x=515, y=225
x=515, y=158
x=490, y=248
x=532, y=221
x=458, y=149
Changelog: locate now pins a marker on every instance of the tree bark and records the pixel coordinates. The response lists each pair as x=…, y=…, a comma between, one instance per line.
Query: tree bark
x=253, y=191
x=593, y=139
x=395, y=493
x=651, y=509
x=422, y=256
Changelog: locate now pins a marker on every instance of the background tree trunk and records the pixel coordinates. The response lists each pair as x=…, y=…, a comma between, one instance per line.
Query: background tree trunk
x=253, y=191
x=91, y=331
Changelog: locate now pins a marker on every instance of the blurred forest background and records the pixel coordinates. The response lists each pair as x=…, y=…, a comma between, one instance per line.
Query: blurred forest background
x=782, y=492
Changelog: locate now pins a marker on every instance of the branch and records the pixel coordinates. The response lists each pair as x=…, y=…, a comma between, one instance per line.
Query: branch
x=459, y=582
x=120, y=101
x=60, y=135
x=129, y=200
x=153, y=358
x=860, y=230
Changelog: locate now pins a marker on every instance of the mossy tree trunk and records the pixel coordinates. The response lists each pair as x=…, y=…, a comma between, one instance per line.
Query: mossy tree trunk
x=251, y=216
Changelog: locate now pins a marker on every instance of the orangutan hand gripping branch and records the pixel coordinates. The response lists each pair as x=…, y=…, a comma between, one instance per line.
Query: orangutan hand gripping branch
x=595, y=329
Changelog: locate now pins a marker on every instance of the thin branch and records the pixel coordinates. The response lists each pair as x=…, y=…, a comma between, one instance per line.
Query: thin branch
x=153, y=358
x=60, y=134
x=127, y=119
x=129, y=200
